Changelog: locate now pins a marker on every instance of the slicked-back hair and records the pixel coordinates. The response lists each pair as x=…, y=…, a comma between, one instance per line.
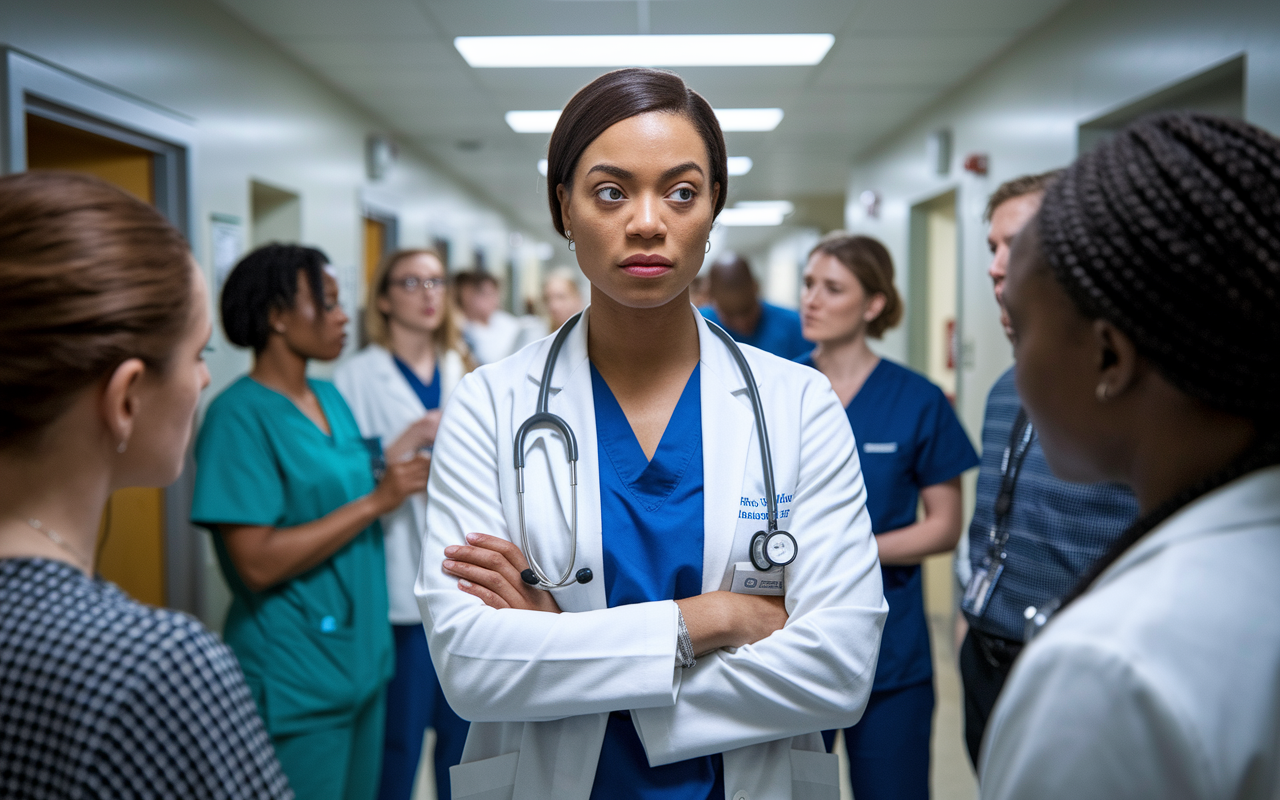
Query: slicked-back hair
x=266, y=280
x=1171, y=231
x=1018, y=187
x=871, y=264
x=89, y=277
x=620, y=95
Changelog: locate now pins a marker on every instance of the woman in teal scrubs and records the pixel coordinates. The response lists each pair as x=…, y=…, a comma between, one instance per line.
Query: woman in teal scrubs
x=286, y=484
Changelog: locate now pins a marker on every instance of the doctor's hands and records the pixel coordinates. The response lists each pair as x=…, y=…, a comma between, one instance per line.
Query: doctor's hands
x=402, y=478
x=489, y=568
x=726, y=619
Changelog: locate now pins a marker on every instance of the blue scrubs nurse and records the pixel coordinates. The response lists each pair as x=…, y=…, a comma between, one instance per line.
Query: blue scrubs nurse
x=912, y=448
x=286, y=483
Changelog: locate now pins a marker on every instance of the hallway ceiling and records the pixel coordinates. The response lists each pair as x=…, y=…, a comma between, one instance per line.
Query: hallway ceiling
x=396, y=58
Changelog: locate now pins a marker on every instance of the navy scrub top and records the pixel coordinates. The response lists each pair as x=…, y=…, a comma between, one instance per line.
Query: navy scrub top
x=428, y=393
x=908, y=437
x=651, y=515
x=777, y=332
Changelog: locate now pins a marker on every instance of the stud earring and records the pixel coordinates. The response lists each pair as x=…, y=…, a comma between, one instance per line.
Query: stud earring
x=1101, y=393
x=124, y=445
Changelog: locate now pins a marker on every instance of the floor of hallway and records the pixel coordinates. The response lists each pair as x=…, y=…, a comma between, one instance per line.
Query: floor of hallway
x=952, y=777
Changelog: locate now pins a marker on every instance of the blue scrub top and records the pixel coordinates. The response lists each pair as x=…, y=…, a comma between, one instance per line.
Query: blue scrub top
x=908, y=438
x=777, y=332
x=428, y=393
x=651, y=515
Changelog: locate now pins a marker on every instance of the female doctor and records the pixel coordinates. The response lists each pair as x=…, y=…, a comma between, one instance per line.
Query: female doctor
x=646, y=677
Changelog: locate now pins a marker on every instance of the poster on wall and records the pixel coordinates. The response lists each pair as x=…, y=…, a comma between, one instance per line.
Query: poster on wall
x=226, y=243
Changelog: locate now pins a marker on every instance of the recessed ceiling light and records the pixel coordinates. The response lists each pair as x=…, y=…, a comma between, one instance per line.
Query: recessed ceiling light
x=533, y=121
x=759, y=213
x=739, y=165
x=731, y=119
x=749, y=119
x=697, y=50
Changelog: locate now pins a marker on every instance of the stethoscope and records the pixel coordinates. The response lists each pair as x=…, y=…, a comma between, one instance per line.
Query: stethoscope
x=770, y=549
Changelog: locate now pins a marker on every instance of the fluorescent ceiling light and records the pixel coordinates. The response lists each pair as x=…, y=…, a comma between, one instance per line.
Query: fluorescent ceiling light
x=783, y=207
x=651, y=50
x=542, y=167
x=749, y=119
x=532, y=121
x=731, y=119
x=739, y=165
x=758, y=214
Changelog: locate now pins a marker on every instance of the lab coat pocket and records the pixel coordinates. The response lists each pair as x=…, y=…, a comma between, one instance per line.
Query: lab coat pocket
x=488, y=779
x=814, y=775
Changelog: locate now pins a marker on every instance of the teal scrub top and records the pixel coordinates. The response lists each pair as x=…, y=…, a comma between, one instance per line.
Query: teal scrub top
x=316, y=648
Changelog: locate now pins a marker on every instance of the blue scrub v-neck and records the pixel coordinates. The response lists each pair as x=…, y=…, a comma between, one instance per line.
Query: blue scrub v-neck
x=428, y=393
x=652, y=519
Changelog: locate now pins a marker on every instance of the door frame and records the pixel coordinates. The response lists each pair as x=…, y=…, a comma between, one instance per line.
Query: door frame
x=31, y=85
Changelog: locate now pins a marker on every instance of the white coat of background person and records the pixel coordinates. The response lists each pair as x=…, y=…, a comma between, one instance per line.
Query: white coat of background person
x=1142, y=301
x=638, y=193
x=412, y=328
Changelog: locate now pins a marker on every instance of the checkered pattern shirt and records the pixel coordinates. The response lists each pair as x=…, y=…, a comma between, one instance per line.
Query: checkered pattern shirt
x=1056, y=529
x=102, y=697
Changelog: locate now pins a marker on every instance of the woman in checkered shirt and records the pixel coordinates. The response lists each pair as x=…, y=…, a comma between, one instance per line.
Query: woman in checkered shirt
x=103, y=321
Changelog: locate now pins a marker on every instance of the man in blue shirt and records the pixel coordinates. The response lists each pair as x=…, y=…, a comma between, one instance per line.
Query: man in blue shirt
x=736, y=307
x=1032, y=535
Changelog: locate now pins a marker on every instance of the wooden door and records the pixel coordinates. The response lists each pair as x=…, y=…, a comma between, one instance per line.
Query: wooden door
x=131, y=537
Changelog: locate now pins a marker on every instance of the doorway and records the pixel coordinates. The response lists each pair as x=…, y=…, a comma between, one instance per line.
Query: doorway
x=51, y=118
x=1217, y=90
x=932, y=309
x=275, y=215
x=132, y=531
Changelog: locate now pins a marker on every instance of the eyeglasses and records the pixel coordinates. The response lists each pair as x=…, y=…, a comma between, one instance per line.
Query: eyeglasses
x=412, y=284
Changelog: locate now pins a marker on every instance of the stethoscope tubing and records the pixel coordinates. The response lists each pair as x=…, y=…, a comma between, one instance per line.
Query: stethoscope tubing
x=544, y=418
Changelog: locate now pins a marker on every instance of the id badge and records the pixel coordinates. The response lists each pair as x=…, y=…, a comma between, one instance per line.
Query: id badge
x=749, y=580
x=978, y=593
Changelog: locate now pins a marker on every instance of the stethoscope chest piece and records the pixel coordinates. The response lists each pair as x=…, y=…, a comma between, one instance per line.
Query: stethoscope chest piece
x=772, y=549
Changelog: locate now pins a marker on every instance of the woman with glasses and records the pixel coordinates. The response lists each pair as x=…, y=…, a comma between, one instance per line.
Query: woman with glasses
x=399, y=383
x=286, y=482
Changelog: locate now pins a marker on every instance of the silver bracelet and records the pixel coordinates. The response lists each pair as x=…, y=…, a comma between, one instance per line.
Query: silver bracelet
x=684, y=644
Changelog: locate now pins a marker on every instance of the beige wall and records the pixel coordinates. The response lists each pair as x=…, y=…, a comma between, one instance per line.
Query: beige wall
x=1023, y=110
x=260, y=116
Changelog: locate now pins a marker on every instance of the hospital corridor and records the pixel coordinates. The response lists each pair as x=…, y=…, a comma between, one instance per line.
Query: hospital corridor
x=639, y=399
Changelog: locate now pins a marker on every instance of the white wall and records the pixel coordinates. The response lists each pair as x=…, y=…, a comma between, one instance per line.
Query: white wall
x=1023, y=110
x=257, y=115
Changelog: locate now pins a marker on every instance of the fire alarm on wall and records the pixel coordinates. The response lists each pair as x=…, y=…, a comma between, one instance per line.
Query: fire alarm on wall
x=976, y=163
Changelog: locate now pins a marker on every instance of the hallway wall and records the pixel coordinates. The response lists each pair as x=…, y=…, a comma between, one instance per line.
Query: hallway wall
x=258, y=115
x=1023, y=110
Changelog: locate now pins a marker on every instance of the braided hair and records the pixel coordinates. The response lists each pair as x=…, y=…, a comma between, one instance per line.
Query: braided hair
x=1171, y=232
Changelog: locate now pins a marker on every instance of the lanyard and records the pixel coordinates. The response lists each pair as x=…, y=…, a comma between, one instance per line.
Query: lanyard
x=1010, y=468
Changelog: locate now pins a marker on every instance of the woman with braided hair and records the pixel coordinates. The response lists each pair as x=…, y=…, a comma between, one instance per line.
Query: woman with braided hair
x=1145, y=306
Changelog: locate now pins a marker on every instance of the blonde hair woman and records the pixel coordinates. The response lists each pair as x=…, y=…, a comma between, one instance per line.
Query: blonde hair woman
x=402, y=379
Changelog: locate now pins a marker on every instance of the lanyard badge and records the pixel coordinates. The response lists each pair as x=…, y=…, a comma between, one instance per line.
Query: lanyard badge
x=982, y=585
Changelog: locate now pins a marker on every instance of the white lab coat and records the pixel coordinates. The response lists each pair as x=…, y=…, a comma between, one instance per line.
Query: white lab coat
x=1164, y=680
x=384, y=405
x=539, y=686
